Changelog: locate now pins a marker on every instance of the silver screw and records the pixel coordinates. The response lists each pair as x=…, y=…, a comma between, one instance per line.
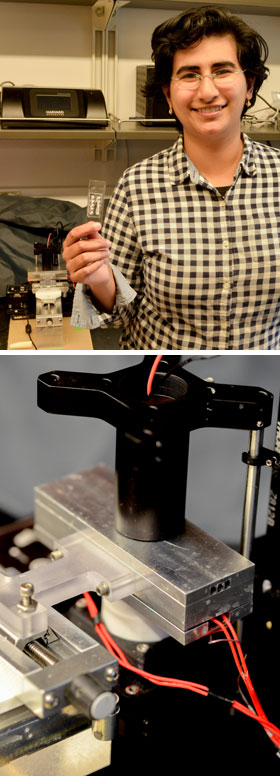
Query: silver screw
x=268, y=462
x=259, y=423
x=51, y=700
x=56, y=554
x=132, y=689
x=26, y=603
x=103, y=588
x=111, y=674
x=266, y=585
x=142, y=648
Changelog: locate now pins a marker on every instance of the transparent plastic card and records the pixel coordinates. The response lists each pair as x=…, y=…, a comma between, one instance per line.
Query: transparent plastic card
x=95, y=203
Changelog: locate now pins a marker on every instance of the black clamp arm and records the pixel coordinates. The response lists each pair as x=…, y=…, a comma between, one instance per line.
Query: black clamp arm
x=266, y=457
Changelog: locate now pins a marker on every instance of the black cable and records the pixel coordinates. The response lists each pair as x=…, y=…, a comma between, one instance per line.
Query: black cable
x=28, y=330
x=267, y=103
x=220, y=697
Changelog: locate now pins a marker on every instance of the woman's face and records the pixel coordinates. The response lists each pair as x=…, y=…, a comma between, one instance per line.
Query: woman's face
x=213, y=109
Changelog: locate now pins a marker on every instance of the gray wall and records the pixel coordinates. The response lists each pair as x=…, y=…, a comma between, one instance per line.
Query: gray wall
x=37, y=447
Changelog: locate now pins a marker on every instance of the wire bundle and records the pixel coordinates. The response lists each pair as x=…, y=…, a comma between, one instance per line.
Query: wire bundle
x=227, y=628
x=117, y=652
x=256, y=712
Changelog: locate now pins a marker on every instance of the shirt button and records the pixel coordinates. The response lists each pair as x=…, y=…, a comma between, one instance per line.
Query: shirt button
x=226, y=286
x=223, y=324
x=225, y=243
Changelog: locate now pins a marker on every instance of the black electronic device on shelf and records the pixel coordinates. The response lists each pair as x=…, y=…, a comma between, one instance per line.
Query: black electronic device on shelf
x=47, y=108
x=153, y=108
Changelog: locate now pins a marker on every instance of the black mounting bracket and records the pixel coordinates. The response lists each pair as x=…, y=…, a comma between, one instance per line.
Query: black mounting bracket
x=266, y=457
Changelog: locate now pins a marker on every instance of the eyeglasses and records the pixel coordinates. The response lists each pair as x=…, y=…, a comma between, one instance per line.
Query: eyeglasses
x=191, y=80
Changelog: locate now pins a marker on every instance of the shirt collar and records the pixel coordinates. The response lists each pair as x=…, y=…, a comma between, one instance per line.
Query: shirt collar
x=248, y=161
x=178, y=162
x=181, y=168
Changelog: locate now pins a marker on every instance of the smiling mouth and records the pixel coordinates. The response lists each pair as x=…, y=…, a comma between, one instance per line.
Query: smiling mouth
x=210, y=109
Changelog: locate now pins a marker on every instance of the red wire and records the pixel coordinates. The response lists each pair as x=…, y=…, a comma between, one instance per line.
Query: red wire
x=115, y=650
x=258, y=715
x=266, y=724
x=152, y=374
x=243, y=670
x=234, y=653
x=92, y=608
x=247, y=679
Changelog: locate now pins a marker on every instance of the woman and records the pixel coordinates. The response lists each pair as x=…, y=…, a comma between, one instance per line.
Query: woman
x=190, y=243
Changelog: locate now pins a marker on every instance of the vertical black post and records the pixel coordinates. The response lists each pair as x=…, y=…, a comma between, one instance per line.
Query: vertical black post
x=151, y=478
x=273, y=518
x=152, y=465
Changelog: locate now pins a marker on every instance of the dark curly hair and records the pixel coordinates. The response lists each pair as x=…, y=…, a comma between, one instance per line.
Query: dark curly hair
x=190, y=27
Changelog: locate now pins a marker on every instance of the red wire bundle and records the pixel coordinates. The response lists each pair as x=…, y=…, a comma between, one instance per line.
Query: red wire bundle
x=224, y=625
x=115, y=650
x=239, y=659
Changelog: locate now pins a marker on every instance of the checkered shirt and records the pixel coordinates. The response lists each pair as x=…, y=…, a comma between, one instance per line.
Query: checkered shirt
x=194, y=268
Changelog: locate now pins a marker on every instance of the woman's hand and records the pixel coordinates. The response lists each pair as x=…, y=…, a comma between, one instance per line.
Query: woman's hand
x=87, y=255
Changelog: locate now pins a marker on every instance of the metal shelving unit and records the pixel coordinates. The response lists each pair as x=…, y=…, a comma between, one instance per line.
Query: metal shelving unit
x=271, y=8
x=124, y=130
x=99, y=138
x=262, y=134
x=133, y=130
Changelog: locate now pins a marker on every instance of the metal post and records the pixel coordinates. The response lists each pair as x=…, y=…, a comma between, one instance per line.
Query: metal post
x=250, y=504
x=251, y=494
